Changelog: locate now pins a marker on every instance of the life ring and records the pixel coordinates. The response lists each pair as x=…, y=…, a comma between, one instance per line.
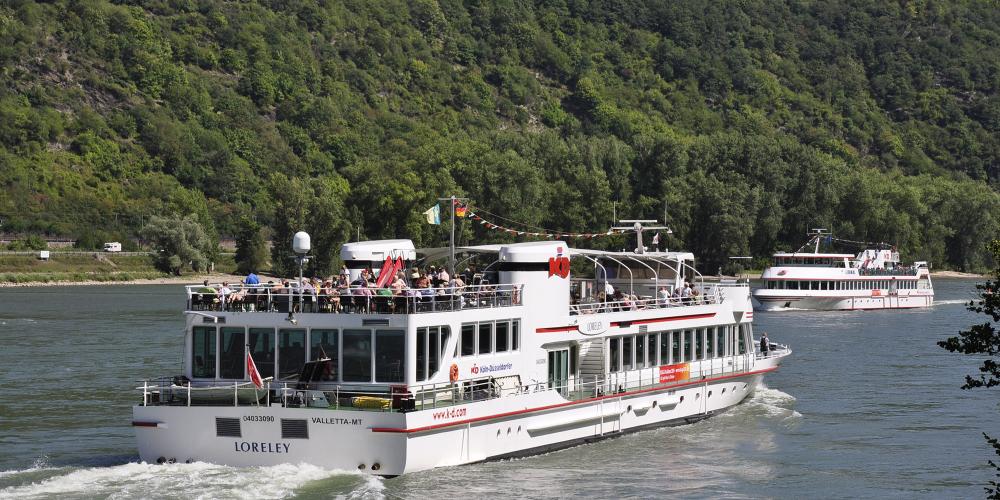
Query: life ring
x=453, y=373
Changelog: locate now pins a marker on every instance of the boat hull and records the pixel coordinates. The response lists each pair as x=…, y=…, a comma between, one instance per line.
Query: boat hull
x=392, y=443
x=772, y=302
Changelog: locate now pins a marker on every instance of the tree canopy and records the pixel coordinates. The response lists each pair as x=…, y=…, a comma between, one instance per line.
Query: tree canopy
x=745, y=123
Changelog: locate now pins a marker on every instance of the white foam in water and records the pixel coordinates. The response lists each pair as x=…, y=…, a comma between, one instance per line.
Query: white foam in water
x=950, y=302
x=197, y=480
x=776, y=403
x=372, y=489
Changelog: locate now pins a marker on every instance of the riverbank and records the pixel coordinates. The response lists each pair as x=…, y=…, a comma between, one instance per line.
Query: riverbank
x=193, y=279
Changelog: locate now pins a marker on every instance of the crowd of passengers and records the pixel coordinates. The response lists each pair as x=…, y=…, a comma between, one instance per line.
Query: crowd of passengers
x=612, y=300
x=339, y=293
x=896, y=271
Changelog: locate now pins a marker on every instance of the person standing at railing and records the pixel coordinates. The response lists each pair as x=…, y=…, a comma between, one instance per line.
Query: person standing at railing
x=765, y=344
x=664, y=296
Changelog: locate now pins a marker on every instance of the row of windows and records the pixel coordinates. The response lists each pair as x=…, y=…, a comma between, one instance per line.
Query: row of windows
x=431, y=343
x=356, y=355
x=487, y=337
x=808, y=261
x=842, y=285
x=678, y=346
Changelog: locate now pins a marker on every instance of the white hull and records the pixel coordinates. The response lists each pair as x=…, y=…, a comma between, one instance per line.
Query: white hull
x=419, y=440
x=773, y=302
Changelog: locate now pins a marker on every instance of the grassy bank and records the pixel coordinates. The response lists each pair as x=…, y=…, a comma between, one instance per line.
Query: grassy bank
x=95, y=267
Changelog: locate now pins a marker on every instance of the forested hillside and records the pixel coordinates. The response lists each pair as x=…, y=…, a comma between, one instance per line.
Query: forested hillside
x=746, y=123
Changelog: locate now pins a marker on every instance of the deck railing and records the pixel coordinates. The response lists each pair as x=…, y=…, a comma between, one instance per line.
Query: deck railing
x=634, y=304
x=432, y=396
x=268, y=298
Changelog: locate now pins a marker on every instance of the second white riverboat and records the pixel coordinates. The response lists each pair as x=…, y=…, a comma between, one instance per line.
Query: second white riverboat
x=872, y=279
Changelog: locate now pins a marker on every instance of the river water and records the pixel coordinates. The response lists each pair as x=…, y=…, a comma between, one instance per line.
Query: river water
x=866, y=406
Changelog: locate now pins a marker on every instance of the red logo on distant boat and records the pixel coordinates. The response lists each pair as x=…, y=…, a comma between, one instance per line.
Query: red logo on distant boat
x=559, y=266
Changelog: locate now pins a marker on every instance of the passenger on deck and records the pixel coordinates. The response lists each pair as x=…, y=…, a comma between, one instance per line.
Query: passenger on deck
x=443, y=277
x=664, y=296
x=686, y=293
x=223, y=294
x=398, y=285
x=252, y=279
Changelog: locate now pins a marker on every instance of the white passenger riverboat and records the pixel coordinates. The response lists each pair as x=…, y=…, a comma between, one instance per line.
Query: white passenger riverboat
x=524, y=359
x=871, y=279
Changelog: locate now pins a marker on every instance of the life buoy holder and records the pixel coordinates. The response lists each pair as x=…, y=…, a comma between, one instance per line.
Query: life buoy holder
x=453, y=373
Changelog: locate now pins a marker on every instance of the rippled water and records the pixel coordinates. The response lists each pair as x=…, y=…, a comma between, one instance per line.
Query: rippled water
x=867, y=406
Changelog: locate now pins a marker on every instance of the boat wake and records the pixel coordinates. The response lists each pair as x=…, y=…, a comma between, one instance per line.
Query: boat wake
x=196, y=480
x=773, y=403
x=950, y=302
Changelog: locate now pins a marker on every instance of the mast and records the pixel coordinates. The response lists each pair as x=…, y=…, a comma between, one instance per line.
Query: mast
x=451, y=243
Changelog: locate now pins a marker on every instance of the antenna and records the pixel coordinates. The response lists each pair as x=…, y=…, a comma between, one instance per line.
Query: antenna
x=639, y=228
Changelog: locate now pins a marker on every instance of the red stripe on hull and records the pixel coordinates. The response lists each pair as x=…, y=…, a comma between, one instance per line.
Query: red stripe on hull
x=561, y=405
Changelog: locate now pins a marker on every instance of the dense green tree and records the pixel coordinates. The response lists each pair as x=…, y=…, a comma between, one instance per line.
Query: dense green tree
x=178, y=244
x=251, y=247
x=984, y=340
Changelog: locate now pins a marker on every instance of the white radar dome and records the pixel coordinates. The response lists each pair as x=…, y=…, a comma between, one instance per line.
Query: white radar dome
x=300, y=242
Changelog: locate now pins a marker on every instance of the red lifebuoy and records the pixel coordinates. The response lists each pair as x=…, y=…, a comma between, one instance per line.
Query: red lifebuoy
x=453, y=373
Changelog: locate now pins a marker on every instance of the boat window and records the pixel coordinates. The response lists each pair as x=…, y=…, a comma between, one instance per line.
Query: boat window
x=710, y=342
x=698, y=344
x=676, y=354
x=421, y=353
x=357, y=356
x=324, y=344
x=261, y=341
x=651, y=350
x=445, y=335
x=468, y=340
x=640, y=351
x=614, y=354
x=744, y=338
x=515, y=333
x=203, y=352
x=291, y=353
x=485, y=338
x=503, y=340
x=665, y=347
x=389, y=355
x=688, y=354
x=626, y=353
x=231, y=355
x=720, y=341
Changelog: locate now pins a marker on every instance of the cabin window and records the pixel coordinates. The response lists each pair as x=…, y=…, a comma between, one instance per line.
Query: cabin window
x=468, y=340
x=232, y=353
x=720, y=341
x=665, y=347
x=390, y=351
x=688, y=341
x=699, y=344
x=744, y=338
x=291, y=353
x=676, y=354
x=261, y=341
x=324, y=344
x=627, y=353
x=485, y=338
x=710, y=342
x=203, y=352
x=614, y=354
x=357, y=356
x=421, y=353
x=651, y=350
x=515, y=332
x=431, y=343
x=640, y=351
x=502, y=336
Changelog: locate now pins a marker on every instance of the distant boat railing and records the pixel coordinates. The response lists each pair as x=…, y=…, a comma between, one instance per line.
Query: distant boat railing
x=906, y=271
x=355, y=299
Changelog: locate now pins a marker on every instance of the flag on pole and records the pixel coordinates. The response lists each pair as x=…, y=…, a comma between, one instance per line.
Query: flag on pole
x=252, y=371
x=656, y=239
x=433, y=215
x=460, y=209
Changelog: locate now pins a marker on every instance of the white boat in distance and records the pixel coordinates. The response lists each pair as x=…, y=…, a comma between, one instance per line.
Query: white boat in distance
x=872, y=279
x=525, y=360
